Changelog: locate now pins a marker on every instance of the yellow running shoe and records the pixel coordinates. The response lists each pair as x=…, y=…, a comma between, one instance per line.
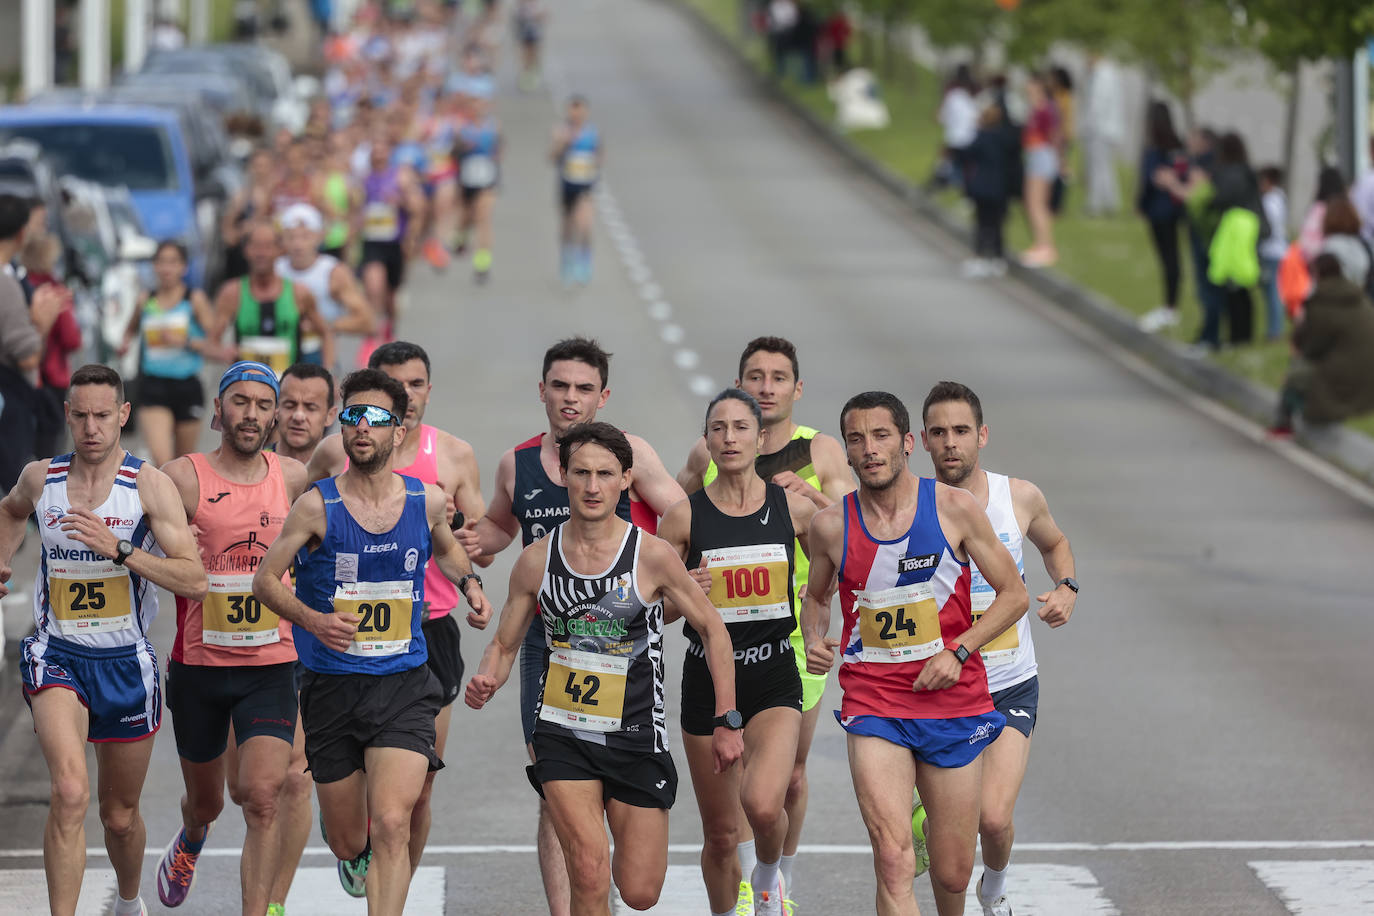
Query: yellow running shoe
x=745, y=905
x=919, y=832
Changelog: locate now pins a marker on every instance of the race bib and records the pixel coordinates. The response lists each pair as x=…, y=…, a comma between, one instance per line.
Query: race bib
x=1007, y=645
x=381, y=222
x=579, y=167
x=89, y=597
x=899, y=624
x=274, y=352
x=749, y=583
x=384, y=611
x=478, y=171
x=585, y=690
x=166, y=336
x=231, y=616
x=440, y=163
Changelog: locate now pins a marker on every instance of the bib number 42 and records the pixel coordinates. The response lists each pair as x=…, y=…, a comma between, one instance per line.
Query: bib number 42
x=582, y=690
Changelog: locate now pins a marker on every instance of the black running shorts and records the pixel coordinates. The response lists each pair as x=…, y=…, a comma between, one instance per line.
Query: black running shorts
x=389, y=255
x=1020, y=703
x=443, y=640
x=204, y=699
x=184, y=397
x=344, y=714
x=633, y=777
x=765, y=676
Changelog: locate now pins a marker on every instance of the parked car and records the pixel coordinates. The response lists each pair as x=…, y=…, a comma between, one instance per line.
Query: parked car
x=143, y=148
x=265, y=71
x=224, y=94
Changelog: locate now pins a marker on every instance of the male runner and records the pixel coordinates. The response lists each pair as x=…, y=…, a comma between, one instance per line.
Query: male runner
x=443, y=460
x=112, y=529
x=479, y=172
x=233, y=660
x=360, y=542
x=955, y=435
x=305, y=411
x=916, y=705
x=573, y=387
x=811, y=464
x=338, y=294
x=269, y=314
x=393, y=216
x=595, y=587
x=578, y=155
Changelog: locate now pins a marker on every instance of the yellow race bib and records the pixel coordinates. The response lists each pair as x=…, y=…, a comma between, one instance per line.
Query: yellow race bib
x=1004, y=648
x=585, y=690
x=381, y=222
x=579, y=168
x=899, y=624
x=384, y=612
x=231, y=616
x=749, y=583
x=89, y=597
x=274, y=352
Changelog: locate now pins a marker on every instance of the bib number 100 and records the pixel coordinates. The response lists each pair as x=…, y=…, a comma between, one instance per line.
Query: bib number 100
x=742, y=582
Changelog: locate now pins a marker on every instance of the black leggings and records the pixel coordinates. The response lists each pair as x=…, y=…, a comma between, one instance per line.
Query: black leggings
x=1164, y=233
x=987, y=237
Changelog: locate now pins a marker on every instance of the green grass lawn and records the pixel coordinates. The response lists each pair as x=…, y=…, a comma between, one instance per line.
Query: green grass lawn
x=1112, y=256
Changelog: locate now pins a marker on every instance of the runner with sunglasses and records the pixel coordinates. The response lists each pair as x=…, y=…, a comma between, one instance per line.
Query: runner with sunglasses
x=368, y=701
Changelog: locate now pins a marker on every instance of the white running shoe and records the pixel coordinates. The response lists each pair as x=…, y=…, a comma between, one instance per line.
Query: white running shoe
x=999, y=907
x=768, y=902
x=1158, y=319
x=975, y=268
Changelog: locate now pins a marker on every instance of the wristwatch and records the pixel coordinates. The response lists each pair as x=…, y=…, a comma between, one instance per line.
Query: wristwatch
x=959, y=652
x=463, y=582
x=1070, y=581
x=122, y=552
x=731, y=720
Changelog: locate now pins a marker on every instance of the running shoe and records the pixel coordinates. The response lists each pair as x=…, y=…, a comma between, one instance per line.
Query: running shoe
x=768, y=902
x=919, y=832
x=353, y=873
x=435, y=254
x=1158, y=319
x=176, y=873
x=276, y=909
x=745, y=905
x=999, y=907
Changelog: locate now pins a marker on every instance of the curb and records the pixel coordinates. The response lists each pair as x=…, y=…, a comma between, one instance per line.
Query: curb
x=1351, y=451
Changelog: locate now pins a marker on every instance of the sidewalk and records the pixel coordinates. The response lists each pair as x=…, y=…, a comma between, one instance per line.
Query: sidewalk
x=1347, y=449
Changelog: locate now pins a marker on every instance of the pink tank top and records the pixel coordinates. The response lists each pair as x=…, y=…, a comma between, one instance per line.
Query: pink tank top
x=237, y=523
x=441, y=595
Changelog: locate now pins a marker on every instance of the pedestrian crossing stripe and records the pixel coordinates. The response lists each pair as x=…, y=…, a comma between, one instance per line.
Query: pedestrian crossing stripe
x=1050, y=890
x=1315, y=888
x=314, y=892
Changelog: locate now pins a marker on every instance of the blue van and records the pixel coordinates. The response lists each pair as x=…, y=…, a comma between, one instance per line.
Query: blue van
x=141, y=148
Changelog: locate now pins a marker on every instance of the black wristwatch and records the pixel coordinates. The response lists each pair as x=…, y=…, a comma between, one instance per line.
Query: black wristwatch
x=1070, y=581
x=123, y=551
x=959, y=652
x=731, y=720
x=463, y=583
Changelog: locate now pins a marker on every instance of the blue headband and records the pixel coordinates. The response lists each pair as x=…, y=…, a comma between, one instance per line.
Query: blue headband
x=245, y=370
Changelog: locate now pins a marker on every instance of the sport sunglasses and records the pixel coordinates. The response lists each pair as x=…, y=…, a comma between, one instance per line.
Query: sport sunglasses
x=375, y=416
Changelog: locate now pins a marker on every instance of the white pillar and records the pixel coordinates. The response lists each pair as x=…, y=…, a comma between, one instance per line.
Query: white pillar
x=95, y=44
x=135, y=34
x=37, y=49
x=199, y=32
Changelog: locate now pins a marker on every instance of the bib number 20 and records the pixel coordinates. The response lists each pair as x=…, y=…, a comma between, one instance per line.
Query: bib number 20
x=582, y=690
x=376, y=617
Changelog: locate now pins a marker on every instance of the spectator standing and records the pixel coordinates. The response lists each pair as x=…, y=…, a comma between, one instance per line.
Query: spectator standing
x=993, y=158
x=958, y=116
x=1273, y=247
x=1341, y=238
x=1041, y=140
x=1163, y=155
x=1362, y=196
x=1234, y=188
x=835, y=35
x=1328, y=378
x=1103, y=130
x=39, y=257
x=782, y=26
x=1330, y=185
x=22, y=330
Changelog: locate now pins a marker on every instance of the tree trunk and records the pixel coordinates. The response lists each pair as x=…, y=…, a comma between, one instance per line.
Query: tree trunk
x=1290, y=123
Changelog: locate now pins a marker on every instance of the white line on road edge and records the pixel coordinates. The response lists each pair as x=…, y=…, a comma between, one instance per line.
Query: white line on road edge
x=1332, y=888
x=316, y=892
x=824, y=849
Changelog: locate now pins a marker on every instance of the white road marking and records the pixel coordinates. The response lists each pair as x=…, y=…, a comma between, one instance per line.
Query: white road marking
x=1051, y=890
x=316, y=892
x=1313, y=888
x=683, y=894
x=25, y=890
x=672, y=333
x=660, y=310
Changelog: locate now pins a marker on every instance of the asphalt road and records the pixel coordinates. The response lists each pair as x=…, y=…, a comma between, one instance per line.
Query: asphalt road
x=1203, y=745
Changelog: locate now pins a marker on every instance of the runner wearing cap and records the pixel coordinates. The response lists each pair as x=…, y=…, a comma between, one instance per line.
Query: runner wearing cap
x=233, y=660
x=338, y=294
